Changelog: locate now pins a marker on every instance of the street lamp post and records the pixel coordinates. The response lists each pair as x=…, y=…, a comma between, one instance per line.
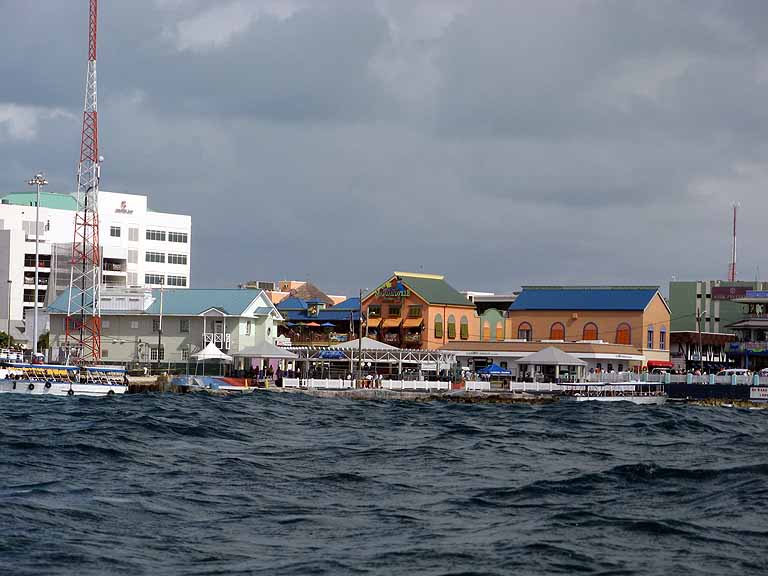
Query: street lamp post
x=10, y=284
x=38, y=181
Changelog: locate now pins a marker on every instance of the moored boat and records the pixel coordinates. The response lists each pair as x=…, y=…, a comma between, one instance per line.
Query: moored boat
x=635, y=392
x=214, y=384
x=62, y=380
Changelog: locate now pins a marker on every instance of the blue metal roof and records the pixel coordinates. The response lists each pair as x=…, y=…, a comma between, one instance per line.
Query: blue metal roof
x=536, y=298
x=292, y=303
x=348, y=304
x=322, y=316
x=192, y=301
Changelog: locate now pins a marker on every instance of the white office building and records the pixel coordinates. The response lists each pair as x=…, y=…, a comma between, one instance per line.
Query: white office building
x=139, y=248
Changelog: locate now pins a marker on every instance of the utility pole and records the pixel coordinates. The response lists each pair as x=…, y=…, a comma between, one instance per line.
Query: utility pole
x=37, y=181
x=360, y=337
x=701, y=349
x=160, y=330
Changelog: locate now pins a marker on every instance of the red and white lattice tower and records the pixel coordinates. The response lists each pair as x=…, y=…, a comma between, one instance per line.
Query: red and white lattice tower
x=83, y=327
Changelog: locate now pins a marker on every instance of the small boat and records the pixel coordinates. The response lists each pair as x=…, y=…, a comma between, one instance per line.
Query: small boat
x=648, y=393
x=62, y=380
x=214, y=384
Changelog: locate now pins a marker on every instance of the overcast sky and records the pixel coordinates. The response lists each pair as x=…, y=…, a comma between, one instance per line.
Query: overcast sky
x=498, y=143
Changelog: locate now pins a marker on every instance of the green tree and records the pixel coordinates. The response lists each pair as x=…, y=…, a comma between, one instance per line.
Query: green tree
x=43, y=343
x=5, y=340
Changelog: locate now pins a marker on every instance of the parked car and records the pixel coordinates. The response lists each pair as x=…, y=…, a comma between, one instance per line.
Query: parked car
x=733, y=372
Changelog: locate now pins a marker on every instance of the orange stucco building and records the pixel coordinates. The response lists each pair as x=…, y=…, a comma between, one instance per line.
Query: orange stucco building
x=411, y=310
x=637, y=316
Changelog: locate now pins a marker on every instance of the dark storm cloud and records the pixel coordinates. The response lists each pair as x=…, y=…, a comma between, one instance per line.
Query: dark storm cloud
x=498, y=142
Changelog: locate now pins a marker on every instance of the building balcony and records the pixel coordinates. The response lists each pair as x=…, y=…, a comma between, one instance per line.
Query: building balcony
x=222, y=341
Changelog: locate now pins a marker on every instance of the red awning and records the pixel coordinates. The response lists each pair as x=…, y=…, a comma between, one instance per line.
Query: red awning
x=659, y=364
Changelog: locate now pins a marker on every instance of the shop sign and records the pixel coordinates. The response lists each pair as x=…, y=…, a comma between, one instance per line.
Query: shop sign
x=729, y=292
x=123, y=208
x=757, y=293
x=393, y=289
x=758, y=393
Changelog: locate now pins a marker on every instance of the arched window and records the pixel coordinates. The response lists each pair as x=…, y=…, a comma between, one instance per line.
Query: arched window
x=525, y=331
x=663, y=338
x=464, y=328
x=650, y=337
x=557, y=331
x=486, y=330
x=499, y=331
x=623, y=334
x=590, y=331
x=451, y=326
x=438, y=326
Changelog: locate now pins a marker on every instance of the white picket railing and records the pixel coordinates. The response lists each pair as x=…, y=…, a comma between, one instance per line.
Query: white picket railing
x=319, y=383
x=477, y=386
x=414, y=385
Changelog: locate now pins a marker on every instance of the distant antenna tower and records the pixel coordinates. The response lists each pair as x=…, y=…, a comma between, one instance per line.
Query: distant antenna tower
x=83, y=328
x=732, y=266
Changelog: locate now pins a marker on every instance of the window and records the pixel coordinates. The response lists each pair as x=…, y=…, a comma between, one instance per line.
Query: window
x=133, y=278
x=590, y=331
x=557, y=331
x=486, y=330
x=621, y=367
x=525, y=331
x=394, y=311
x=180, y=237
x=650, y=337
x=184, y=325
x=156, y=279
x=104, y=353
x=155, y=257
x=248, y=328
x=414, y=311
x=610, y=367
x=438, y=326
x=105, y=323
x=134, y=324
x=623, y=334
x=153, y=353
x=464, y=328
x=177, y=259
x=133, y=234
x=156, y=325
x=499, y=331
x=133, y=256
x=663, y=339
x=158, y=235
x=374, y=311
x=185, y=353
x=177, y=281
x=451, y=327
x=114, y=231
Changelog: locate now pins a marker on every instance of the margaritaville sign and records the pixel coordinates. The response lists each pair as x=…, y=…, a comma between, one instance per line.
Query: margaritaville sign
x=393, y=289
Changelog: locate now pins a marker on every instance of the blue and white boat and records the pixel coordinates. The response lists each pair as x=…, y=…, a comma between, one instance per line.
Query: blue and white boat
x=62, y=380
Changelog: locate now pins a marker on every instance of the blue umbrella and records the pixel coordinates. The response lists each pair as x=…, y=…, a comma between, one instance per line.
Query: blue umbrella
x=327, y=325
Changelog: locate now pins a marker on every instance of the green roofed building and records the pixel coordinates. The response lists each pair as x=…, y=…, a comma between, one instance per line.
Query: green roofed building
x=47, y=200
x=413, y=310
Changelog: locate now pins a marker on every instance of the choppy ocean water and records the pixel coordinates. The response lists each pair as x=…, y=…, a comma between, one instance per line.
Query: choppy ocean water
x=290, y=484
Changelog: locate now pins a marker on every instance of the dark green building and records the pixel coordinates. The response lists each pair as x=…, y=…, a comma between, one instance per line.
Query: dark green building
x=713, y=299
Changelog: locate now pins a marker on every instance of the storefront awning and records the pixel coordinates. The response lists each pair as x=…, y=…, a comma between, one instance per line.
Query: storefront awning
x=373, y=322
x=392, y=323
x=413, y=322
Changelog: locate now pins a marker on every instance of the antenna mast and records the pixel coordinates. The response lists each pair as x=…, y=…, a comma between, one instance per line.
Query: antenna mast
x=732, y=266
x=83, y=327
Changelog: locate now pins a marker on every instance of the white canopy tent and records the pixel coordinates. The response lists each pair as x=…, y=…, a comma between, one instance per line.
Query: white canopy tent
x=553, y=359
x=211, y=352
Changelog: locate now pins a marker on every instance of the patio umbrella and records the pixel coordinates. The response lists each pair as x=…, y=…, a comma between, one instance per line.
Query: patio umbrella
x=312, y=324
x=327, y=325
